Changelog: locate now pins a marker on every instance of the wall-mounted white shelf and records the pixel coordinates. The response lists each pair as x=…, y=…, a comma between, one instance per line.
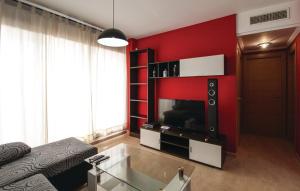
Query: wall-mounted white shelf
x=202, y=66
x=190, y=67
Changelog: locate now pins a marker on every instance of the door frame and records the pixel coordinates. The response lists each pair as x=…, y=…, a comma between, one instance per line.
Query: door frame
x=292, y=51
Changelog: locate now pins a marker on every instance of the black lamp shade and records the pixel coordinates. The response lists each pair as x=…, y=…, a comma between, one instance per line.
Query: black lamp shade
x=112, y=37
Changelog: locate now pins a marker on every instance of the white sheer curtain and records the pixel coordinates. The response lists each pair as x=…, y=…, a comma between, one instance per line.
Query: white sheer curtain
x=68, y=80
x=22, y=76
x=55, y=81
x=109, y=90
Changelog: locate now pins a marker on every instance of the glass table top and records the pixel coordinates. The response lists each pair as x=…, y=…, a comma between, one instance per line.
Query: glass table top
x=133, y=168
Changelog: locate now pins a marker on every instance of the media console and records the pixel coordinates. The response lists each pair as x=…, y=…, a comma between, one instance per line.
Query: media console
x=188, y=145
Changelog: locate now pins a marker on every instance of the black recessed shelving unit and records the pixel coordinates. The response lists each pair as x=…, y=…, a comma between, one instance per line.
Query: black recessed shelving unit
x=138, y=67
x=139, y=100
x=139, y=84
x=175, y=145
x=138, y=116
x=141, y=90
x=156, y=70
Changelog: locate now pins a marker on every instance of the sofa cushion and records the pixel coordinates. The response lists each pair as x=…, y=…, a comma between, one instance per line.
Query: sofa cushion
x=36, y=182
x=12, y=151
x=49, y=160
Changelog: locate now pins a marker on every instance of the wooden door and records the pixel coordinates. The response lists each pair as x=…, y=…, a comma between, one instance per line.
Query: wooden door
x=263, y=93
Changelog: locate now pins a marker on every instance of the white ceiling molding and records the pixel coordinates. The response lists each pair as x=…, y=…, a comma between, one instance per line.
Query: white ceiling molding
x=142, y=18
x=293, y=36
x=60, y=14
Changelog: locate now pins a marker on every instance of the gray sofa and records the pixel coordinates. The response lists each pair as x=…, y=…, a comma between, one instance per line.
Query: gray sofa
x=36, y=182
x=61, y=162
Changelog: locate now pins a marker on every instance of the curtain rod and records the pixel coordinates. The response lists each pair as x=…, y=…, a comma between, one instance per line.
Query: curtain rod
x=60, y=14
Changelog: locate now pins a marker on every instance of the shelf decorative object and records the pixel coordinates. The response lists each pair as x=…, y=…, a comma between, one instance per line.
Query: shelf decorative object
x=174, y=70
x=154, y=73
x=165, y=73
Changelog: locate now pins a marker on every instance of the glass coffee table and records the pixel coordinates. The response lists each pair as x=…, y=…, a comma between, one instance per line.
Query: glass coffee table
x=137, y=169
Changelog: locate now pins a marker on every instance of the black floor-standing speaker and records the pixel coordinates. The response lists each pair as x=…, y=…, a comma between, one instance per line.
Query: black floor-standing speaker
x=213, y=130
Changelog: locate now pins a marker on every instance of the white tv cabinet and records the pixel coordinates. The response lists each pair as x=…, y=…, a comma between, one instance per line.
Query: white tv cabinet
x=188, y=145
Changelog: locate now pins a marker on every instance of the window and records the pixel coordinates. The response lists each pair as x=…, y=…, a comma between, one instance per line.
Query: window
x=55, y=81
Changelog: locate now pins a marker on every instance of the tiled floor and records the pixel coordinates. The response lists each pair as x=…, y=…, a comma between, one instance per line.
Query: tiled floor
x=262, y=164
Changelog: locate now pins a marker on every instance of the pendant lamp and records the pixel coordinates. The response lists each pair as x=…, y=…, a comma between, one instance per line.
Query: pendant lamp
x=113, y=37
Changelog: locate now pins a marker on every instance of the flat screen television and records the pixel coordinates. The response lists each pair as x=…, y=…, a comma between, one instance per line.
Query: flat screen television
x=183, y=114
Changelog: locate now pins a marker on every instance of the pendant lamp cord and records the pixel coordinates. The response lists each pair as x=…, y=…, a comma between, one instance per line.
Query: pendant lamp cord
x=113, y=13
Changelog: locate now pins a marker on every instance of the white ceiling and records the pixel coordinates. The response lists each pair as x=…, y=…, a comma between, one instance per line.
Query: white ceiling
x=140, y=18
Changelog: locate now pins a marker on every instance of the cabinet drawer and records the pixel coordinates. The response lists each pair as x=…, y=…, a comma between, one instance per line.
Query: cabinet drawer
x=206, y=153
x=150, y=138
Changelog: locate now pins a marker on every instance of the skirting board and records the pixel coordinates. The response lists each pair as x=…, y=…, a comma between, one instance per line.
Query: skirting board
x=230, y=153
x=108, y=137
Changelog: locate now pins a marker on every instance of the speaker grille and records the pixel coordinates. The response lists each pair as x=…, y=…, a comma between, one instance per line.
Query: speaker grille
x=283, y=14
x=213, y=108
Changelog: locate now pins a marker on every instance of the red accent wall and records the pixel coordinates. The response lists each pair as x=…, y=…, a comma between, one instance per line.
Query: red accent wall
x=209, y=38
x=298, y=93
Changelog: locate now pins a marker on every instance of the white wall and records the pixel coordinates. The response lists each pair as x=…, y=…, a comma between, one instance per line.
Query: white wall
x=243, y=19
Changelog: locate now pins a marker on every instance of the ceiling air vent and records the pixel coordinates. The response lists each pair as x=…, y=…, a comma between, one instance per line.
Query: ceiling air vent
x=278, y=15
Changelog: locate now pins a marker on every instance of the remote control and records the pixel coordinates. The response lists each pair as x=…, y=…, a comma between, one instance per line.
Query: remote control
x=102, y=159
x=93, y=159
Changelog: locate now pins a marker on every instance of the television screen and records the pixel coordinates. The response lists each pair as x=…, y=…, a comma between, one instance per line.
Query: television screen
x=184, y=114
